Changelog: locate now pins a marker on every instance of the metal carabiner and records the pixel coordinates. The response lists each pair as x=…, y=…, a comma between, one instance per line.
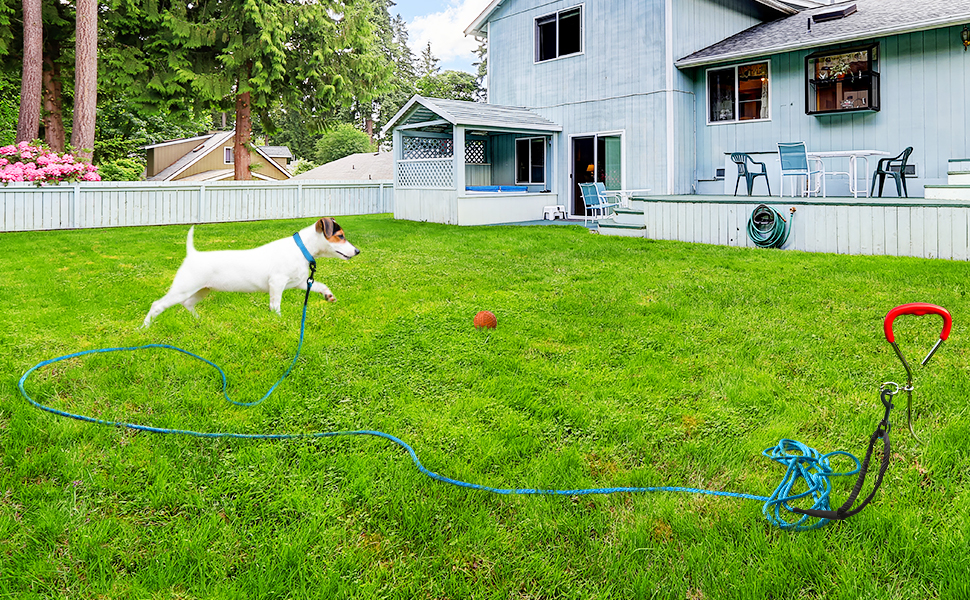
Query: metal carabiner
x=915, y=308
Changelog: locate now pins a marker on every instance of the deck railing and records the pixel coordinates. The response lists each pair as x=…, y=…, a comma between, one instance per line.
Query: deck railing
x=122, y=204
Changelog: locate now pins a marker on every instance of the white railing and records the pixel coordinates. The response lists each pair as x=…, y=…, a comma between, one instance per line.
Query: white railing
x=25, y=207
x=427, y=173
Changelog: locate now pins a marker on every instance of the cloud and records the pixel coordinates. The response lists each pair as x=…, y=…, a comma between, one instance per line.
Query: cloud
x=445, y=31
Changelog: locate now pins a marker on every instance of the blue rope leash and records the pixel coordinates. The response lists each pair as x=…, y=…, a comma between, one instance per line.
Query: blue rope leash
x=805, y=466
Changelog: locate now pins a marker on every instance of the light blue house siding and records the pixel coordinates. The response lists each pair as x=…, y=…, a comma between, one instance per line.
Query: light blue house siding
x=623, y=82
x=925, y=92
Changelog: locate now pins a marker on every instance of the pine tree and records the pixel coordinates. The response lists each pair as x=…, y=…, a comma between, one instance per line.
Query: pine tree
x=428, y=63
x=28, y=123
x=259, y=54
x=85, y=78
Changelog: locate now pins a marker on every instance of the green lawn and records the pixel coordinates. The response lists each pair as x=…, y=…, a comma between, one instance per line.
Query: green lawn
x=616, y=362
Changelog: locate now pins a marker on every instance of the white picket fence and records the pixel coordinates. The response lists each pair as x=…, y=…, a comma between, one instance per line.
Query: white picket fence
x=24, y=207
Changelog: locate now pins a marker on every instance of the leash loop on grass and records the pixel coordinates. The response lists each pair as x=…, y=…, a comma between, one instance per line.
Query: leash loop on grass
x=882, y=432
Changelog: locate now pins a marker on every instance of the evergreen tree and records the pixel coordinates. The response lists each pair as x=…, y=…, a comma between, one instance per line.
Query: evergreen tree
x=85, y=78
x=261, y=53
x=450, y=85
x=481, y=74
x=428, y=63
x=28, y=123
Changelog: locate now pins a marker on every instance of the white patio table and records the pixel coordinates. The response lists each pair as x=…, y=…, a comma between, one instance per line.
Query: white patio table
x=853, y=173
x=623, y=196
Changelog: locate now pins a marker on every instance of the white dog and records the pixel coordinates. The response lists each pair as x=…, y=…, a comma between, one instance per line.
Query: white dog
x=272, y=268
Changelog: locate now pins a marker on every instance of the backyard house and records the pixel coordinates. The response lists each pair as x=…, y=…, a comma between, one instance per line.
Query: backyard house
x=655, y=95
x=210, y=158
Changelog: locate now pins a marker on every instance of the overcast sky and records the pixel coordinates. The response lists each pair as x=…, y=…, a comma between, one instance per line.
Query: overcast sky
x=442, y=22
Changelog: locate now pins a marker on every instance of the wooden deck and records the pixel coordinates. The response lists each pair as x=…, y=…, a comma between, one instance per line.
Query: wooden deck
x=843, y=225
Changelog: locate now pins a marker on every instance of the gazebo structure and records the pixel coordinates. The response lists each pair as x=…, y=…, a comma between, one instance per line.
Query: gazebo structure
x=469, y=163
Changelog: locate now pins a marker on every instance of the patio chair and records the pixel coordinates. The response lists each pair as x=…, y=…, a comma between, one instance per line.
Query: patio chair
x=894, y=167
x=794, y=163
x=742, y=160
x=596, y=200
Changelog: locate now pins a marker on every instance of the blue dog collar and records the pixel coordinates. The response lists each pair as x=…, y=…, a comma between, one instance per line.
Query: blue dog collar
x=306, y=253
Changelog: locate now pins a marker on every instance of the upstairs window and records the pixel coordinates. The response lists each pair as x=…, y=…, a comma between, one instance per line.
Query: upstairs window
x=559, y=34
x=738, y=93
x=227, y=156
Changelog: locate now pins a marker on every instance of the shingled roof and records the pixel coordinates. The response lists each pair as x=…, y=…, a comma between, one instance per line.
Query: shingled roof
x=471, y=114
x=872, y=19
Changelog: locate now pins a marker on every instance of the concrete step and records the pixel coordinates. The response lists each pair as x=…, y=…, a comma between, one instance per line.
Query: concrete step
x=947, y=192
x=611, y=227
x=958, y=164
x=628, y=216
x=958, y=177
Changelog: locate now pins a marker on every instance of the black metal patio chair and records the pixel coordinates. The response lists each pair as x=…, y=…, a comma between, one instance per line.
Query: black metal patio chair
x=894, y=167
x=742, y=160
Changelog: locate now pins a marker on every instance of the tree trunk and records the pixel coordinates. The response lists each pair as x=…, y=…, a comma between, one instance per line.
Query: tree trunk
x=244, y=133
x=85, y=78
x=53, y=108
x=28, y=123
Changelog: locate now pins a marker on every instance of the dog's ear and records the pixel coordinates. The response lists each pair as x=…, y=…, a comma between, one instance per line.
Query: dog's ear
x=325, y=226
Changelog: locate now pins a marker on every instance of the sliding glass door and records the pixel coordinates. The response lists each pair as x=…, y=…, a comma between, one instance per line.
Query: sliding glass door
x=595, y=158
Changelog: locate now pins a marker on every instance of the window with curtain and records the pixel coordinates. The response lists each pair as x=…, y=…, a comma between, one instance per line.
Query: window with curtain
x=738, y=93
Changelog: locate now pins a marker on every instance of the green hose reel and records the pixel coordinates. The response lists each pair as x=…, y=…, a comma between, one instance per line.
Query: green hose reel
x=767, y=228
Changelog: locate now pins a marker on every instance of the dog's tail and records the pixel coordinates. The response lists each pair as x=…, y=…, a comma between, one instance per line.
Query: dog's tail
x=189, y=243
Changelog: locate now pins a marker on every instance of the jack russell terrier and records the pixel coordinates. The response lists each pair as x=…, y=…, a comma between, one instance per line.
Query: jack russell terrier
x=274, y=267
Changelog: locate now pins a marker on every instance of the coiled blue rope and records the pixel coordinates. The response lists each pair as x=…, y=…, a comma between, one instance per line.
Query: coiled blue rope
x=803, y=464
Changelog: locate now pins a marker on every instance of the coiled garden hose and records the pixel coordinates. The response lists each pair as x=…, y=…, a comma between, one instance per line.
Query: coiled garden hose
x=767, y=228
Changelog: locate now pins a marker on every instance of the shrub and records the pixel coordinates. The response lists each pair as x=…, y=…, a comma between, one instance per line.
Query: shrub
x=342, y=141
x=122, y=169
x=26, y=162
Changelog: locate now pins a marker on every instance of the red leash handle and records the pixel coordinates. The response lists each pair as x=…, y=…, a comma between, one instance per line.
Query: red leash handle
x=917, y=308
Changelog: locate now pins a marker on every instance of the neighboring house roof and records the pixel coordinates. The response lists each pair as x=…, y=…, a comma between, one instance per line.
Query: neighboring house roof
x=366, y=165
x=872, y=19
x=178, y=141
x=479, y=26
x=222, y=175
x=213, y=141
x=276, y=151
x=207, y=144
x=469, y=114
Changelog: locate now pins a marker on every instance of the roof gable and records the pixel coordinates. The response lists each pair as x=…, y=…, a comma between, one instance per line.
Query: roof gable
x=469, y=114
x=479, y=27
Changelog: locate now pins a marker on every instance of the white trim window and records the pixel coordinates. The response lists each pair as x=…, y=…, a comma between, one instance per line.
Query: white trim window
x=227, y=157
x=530, y=161
x=559, y=34
x=738, y=93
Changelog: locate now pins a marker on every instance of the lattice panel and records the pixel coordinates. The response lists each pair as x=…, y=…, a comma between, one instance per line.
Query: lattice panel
x=421, y=147
x=426, y=174
x=475, y=152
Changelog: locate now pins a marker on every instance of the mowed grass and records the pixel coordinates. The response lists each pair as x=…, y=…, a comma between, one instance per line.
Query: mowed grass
x=616, y=362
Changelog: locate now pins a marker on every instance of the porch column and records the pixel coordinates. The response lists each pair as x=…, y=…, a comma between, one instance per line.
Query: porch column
x=397, y=150
x=459, y=139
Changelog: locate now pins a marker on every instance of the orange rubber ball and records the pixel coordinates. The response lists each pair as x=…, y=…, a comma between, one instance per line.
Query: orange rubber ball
x=485, y=319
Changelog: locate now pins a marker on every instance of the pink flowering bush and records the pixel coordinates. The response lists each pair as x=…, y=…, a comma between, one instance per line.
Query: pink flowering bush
x=27, y=162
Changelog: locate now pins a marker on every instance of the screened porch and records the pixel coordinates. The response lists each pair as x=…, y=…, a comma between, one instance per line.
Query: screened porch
x=468, y=163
